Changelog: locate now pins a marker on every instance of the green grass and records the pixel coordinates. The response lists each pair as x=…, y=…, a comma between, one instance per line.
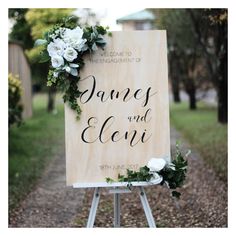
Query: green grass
x=32, y=146
x=203, y=131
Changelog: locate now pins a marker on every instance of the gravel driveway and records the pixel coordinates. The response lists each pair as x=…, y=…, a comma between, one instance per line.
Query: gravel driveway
x=203, y=202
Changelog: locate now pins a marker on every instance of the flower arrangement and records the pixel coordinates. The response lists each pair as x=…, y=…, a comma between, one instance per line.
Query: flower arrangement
x=158, y=170
x=65, y=46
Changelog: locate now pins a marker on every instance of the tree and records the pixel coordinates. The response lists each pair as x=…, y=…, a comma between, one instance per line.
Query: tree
x=212, y=35
x=175, y=80
x=197, y=52
x=21, y=30
x=183, y=52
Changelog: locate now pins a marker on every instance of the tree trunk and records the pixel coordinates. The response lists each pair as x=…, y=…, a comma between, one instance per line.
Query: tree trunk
x=223, y=74
x=191, y=91
x=192, y=99
x=51, y=99
x=223, y=90
x=174, y=75
x=175, y=90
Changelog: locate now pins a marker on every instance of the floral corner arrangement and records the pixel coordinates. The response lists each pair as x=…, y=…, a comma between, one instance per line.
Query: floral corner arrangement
x=159, y=171
x=65, y=46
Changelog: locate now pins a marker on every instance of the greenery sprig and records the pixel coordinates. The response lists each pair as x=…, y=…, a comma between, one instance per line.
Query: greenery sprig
x=66, y=44
x=173, y=174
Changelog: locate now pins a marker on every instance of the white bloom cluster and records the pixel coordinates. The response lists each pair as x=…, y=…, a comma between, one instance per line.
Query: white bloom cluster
x=64, y=49
x=155, y=165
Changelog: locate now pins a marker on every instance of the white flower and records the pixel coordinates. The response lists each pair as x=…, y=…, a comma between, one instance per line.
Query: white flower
x=81, y=46
x=70, y=54
x=57, y=61
x=156, y=178
x=71, y=70
x=56, y=48
x=55, y=74
x=67, y=68
x=156, y=164
x=75, y=33
x=73, y=38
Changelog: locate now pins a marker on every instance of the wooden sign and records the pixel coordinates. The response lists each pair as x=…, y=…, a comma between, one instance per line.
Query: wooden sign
x=125, y=109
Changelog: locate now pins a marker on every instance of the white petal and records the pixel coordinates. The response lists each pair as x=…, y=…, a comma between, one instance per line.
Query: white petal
x=156, y=164
x=55, y=74
x=68, y=69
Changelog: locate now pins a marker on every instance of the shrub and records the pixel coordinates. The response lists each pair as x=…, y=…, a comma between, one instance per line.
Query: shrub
x=15, y=107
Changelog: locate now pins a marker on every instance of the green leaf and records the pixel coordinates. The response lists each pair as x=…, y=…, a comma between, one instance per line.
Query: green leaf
x=49, y=83
x=176, y=194
x=101, y=41
x=39, y=42
x=110, y=180
x=94, y=47
x=44, y=57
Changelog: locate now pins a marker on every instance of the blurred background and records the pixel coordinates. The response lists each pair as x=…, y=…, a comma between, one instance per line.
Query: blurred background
x=198, y=85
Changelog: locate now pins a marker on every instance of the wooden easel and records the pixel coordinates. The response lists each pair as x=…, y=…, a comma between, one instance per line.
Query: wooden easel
x=116, y=189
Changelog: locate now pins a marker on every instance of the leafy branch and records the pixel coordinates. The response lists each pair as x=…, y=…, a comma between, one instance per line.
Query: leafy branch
x=173, y=174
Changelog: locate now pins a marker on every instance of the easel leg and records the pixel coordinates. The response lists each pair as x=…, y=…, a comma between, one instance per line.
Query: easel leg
x=146, y=208
x=116, y=210
x=93, y=209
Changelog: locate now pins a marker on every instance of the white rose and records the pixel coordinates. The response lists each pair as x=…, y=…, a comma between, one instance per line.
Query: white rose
x=73, y=38
x=75, y=34
x=156, y=178
x=70, y=54
x=57, y=61
x=156, y=164
x=81, y=46
x=56, y=48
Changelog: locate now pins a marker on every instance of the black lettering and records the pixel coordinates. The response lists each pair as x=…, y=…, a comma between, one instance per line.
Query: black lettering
x=92, y=90
x=89, y=126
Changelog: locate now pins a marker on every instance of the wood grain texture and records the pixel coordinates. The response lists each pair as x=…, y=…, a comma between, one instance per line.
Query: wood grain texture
x=18, y=65
x=134, y=61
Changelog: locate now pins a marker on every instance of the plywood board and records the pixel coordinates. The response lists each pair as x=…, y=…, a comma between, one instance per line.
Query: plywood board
x=125, y=109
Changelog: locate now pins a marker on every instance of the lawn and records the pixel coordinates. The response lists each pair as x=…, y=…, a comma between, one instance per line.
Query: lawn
x=201, y=129
x=32, y=146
